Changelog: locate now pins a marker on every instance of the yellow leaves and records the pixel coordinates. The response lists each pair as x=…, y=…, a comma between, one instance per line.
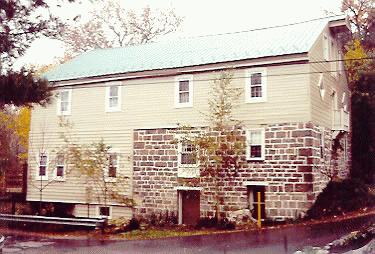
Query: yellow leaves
x=354, y=67
x=17, y=122
x=22, y=128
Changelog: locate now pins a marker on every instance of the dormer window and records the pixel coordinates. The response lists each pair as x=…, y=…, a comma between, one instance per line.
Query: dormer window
x=184, y=92
x=256, y=86
x=113, y=97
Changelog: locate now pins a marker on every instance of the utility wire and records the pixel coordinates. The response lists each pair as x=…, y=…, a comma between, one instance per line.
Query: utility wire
x=268, y=27
x=86, y=85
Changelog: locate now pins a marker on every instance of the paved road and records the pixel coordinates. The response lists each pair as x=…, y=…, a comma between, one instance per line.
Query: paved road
x=278, y=241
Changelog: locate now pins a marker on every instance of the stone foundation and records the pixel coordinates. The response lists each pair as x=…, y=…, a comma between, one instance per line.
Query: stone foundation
x=293, y=172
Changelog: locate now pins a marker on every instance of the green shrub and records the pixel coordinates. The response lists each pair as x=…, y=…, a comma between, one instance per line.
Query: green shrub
x=161, y=219
x=133, y=224
x=340, y=197
x=212, y=222
x=206, y=222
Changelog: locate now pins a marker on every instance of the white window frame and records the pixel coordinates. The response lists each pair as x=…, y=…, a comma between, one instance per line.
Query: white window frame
x=60, y=178
x=69, y=108
x=177, y=103
x=106, y=170
x=262, y=144
x=103, y=216
x=186, y=170
x=38, y=176
x=107, y=97
x=249, y=73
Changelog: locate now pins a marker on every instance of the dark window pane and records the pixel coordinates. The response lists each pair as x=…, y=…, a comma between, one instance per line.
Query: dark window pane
x=104, y=211
x=256, y=79
x=42, y=170
x=112, y=171
x=187, y=154
x=60, y=171
x=188, y=158
x=256, y=151
x=184, y=86
x=256, y=91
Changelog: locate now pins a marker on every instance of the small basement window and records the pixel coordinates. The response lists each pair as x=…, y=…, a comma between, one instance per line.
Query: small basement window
x=105, y=211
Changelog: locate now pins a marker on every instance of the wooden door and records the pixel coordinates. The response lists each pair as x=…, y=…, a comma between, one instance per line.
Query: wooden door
x=190, y=207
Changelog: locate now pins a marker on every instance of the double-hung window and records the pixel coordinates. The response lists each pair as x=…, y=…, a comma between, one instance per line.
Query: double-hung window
x=256, y=86
x=184, y=91
x=188, y=157
x=255, y=149
x=64, y=102
x=187, y=160
x=113, y=97
x=112, y=165
x=42, y=173
x=60, y=167
x=112, y=169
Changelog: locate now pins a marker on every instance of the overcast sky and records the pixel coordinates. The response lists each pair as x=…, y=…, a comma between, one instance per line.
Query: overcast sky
x=202, y=17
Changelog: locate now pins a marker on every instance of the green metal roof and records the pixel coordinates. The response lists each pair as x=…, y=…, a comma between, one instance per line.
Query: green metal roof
x=185, y=52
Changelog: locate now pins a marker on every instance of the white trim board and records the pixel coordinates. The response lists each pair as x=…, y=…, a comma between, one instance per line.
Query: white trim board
x=255, y=183
x=188, y=188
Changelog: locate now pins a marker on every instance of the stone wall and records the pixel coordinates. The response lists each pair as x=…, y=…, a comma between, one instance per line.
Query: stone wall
x=292, y=171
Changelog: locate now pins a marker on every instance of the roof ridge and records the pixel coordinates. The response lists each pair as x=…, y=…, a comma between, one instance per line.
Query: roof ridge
x=220, y=34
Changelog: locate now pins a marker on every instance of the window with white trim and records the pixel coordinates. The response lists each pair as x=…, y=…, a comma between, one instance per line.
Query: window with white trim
x=187, y=160
x=255, y=149
x=112, y=165
x=64, y=102
x=42, y=173
x=187, y=155
x=184, y=92
x=105, y=212
x=60, y=167
x=256, y=86
x=113, y=97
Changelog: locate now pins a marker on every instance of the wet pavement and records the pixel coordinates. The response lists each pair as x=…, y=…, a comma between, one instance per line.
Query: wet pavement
x=285, y=240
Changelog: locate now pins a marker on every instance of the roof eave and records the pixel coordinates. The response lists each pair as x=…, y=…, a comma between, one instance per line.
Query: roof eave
x=293, y=58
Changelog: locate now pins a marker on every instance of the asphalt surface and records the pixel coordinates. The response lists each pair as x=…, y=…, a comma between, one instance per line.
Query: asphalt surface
x=284, y=240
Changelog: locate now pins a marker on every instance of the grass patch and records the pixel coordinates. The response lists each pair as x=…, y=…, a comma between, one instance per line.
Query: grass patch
x=164, y=233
